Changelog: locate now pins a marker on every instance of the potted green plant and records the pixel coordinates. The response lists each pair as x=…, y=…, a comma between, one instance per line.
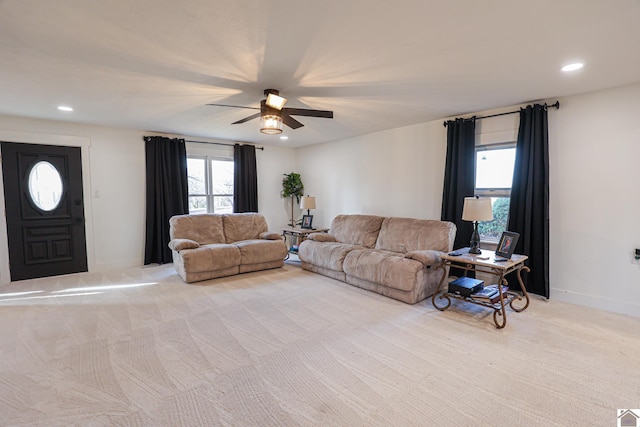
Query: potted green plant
x=292, y=187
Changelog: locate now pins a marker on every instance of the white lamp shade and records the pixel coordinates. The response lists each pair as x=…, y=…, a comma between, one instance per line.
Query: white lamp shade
x=477, y=209
x=308, y=202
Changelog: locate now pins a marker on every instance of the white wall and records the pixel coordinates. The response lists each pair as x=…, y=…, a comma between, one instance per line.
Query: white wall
x=114, y=186
x=273, y=163
x=398, y=172
x=594, y=197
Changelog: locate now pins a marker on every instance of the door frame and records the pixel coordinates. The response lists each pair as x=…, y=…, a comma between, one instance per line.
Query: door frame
x=49, y=139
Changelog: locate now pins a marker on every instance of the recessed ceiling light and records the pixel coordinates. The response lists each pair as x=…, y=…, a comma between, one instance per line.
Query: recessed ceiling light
x=64, y=108
x=284, y=137
x=573, y=67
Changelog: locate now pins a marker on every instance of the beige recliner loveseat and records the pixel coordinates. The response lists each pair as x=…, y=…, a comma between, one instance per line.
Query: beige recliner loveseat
x=395, y=257
x=215, y=245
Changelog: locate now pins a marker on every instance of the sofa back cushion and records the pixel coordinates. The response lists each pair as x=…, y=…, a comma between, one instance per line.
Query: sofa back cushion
x=407, y=234
x=356, y=229
x=204, y=229
x=243, y=226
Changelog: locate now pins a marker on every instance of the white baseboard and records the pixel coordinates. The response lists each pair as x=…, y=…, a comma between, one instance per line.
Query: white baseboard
x=596, y=301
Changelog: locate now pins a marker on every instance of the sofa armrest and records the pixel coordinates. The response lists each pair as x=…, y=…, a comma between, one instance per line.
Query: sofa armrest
x=322, y=237
x=427, y=257
x=270, y=235
x=180, y=244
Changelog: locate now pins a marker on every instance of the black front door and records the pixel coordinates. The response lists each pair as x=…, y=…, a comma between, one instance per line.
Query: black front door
x=44, y=210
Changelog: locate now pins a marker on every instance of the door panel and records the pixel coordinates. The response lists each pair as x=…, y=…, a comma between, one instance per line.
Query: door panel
x=45, y=211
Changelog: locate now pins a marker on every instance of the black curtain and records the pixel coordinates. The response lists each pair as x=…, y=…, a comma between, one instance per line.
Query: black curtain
x=459, y=176
x=245, y=179
x=167, y=193
x=529, y=206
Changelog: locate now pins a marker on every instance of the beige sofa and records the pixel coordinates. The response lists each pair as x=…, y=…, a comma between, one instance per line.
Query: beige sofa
x=395, y=257
x=211, y=245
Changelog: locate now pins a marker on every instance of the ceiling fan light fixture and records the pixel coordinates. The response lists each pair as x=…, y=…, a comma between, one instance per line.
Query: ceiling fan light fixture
x=271, y=124
x=276, y=101
x=272, y=118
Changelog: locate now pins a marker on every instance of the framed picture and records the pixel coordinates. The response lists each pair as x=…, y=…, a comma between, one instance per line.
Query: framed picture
x=306, y=221
x=507, y=244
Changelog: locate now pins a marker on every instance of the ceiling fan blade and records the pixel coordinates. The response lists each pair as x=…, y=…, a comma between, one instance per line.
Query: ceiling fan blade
x=309, y=113
x=291, y=122
x=234, y=106
x=246, y=119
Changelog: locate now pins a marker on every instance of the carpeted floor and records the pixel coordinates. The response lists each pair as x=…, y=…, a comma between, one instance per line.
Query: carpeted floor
x=288, y=347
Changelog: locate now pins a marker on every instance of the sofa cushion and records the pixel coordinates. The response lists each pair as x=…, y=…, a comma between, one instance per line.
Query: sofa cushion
x=359, y=230
x=204, y=229
x=407, y=234
x=217, y=256
x=384, y=268
x=329, y=255
x=261, y=251
x=243, y=226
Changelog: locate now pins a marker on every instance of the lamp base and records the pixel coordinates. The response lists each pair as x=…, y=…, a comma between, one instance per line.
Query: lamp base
x=474, y=245
x=475, y=250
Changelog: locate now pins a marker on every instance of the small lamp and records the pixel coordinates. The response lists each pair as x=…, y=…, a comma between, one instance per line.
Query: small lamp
x=308, y=202
x=476, y=209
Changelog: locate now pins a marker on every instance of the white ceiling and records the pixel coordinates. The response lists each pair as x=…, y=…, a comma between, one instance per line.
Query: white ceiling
x=154, y=64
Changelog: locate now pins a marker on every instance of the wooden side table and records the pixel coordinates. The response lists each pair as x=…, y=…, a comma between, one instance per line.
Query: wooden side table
x=298, y=235
x=485, y=263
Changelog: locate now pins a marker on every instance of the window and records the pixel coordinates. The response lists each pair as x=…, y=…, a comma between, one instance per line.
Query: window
x=210, y=185
x=494, y=173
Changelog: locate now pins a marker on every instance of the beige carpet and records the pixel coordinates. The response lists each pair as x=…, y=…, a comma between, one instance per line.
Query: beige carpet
x=289, y=347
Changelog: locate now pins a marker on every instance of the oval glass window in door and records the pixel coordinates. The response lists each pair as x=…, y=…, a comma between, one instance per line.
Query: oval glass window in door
x=45, y=186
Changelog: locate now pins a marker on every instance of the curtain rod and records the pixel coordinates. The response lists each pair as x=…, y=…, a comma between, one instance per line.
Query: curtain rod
x=556, y=106
x=148, y=138
x=222, y=143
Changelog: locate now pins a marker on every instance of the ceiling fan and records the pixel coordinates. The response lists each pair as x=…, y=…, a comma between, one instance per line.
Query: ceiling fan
x=273, y=114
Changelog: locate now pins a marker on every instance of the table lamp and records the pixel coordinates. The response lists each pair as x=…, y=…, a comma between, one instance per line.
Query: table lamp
x=308, y=202
x=476, y=209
